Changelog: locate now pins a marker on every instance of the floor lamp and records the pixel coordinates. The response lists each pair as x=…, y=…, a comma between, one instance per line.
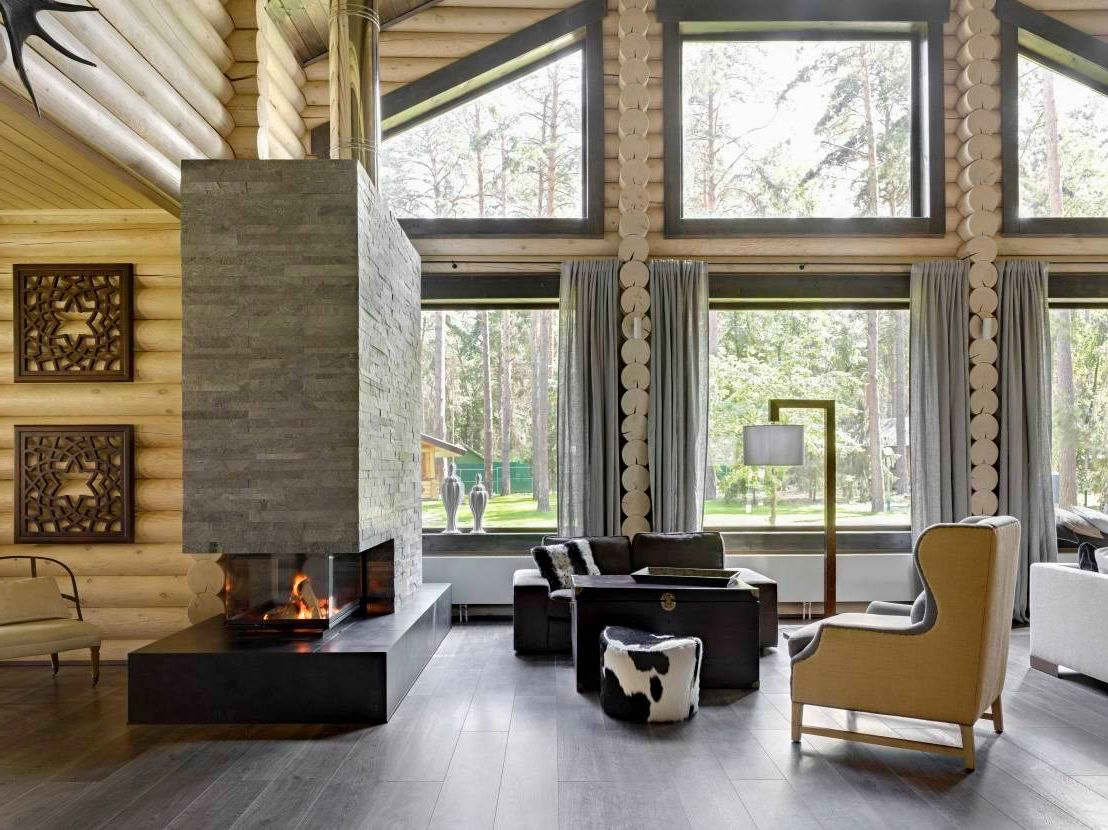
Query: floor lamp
x=782, y=445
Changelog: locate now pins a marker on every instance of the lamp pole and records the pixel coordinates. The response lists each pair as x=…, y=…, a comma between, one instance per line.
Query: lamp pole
x=830, y=544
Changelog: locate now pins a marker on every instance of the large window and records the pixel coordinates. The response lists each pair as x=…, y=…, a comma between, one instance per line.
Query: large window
x=788, y=128
x=857, y=357
x=506, y=141
x=514, y=152
x=783, y=119
x=1079, y=345
x=1055, y=123
x=489, y=404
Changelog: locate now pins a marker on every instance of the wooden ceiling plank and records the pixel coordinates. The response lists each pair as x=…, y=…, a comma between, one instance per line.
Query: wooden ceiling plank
x=49, y=181
x=17, y=155
x=50, y=154
x=30, y=196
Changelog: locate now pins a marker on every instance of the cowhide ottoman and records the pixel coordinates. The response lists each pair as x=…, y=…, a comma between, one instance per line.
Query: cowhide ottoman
x=647, y=677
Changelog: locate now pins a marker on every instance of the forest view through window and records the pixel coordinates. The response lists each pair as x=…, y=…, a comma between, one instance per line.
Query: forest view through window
x=797, y=128
x=1079, y=440
x=859, y=358
x=489, y=406
x=514, y=152
x=1063, y=144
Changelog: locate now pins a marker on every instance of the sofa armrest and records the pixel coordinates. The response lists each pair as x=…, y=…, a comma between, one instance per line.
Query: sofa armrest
x=890, y=609
x=530, y=578
x=1067, y=607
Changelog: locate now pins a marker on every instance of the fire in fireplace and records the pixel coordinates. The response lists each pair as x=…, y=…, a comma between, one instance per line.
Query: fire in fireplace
x=291, y=592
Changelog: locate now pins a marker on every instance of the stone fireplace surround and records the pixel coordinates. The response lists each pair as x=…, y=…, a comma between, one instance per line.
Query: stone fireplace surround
x=301, y=402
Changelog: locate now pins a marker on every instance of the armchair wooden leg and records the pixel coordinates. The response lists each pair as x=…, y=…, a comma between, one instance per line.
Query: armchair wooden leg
x=998, y=716
x=797, y=721
x=54, y=661
x=968, y=755
x=95, y=665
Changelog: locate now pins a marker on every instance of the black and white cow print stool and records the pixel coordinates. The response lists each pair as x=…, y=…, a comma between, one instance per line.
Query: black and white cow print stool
x=647, y=677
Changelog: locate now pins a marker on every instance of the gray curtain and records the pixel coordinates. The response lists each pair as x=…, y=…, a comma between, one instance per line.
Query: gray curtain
x=678, y=422
x=588, y=399
x=1025, y=488
x=939, y=393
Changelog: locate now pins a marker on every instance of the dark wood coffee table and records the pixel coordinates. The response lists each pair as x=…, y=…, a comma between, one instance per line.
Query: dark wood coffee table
x=725, y=619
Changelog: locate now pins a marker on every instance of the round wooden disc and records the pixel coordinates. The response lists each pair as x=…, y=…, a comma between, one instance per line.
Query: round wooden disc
x=634, y=427
x=635, y=452
x=635, y=503
x=636, y=477
x=205, y=577
x=984, y=452
x=984, y=503
x=635, y=376
x=984, y=427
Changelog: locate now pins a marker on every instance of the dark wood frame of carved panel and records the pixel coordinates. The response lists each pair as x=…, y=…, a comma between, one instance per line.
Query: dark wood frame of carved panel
x=50, y=299
x=48, y=460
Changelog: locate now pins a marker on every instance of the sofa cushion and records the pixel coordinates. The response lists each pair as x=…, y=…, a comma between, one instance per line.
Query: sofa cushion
x=558, y=563
x=612, y=554
x=677, y=550
x=46, y=637
x=24, y=600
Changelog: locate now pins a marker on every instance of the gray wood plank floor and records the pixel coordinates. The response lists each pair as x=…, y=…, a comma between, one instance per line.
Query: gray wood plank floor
x=489, y=739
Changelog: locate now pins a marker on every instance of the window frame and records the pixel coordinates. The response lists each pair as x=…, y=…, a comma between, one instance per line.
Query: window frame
x=461, y=81
x=801, y=290
x=1015, y=18
x=488, y=291
x=919, y=22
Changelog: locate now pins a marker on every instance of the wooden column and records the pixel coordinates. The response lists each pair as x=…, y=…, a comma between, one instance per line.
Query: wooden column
x=634, y=25
x=978, y=158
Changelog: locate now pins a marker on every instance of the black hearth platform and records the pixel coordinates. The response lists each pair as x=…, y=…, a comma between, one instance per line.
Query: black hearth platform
x=356, y=673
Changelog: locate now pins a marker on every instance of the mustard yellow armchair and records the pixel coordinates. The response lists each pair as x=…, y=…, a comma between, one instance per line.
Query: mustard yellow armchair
x=947, y=667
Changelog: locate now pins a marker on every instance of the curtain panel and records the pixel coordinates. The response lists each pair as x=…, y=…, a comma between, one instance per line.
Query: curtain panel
x=678, y=421
x=588, y=399
x=939, y=393
x=1025, y=488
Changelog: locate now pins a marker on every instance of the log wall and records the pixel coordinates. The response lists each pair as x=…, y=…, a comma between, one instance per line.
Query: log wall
x=137, y=592
x=269, y=83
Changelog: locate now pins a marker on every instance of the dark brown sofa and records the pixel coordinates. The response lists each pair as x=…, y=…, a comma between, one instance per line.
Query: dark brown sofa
x=542, y=617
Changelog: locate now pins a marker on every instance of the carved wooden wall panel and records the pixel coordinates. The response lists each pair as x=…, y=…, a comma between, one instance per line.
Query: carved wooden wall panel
x=73, y=323
x=74, y=484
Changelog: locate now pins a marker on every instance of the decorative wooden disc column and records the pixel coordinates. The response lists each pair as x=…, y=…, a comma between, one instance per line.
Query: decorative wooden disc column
x=979, y=159
x=634, y=176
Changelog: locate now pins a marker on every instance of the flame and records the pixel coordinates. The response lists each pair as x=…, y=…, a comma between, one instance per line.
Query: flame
x=303, y=612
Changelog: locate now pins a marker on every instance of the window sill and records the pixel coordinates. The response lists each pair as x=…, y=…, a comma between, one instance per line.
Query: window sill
x=774, y=542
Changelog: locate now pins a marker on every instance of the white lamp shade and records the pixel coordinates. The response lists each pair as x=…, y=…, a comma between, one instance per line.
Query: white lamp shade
x=773, y=445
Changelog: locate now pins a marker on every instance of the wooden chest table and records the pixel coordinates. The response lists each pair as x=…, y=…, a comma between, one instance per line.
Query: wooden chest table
x=725, y=619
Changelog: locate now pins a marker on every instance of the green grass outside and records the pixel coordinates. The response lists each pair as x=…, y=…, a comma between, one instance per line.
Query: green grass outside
x=519, y=510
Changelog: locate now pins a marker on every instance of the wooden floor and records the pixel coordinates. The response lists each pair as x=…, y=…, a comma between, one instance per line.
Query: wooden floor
x=490, y=739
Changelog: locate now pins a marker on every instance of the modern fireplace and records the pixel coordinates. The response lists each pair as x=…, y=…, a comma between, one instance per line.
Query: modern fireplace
x=305, y=592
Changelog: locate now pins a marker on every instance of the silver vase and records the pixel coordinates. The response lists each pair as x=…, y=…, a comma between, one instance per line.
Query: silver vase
x=451, y=492
x=478, y=501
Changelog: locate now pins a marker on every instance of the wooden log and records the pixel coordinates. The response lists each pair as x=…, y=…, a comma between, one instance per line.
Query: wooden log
x=150, y=528
x=984, y=197
x=645, y=122
x=977, y=23
x=979, y=122
x=138, y=23
x=204, y=128
x=150, y=304
x=979, y=147
x=150, y=367
x=100, y=560
x=153, y=623
x=114, y=591
x=215, y=14
x=979, y=97
x=396, y=44
x=653, y=191
x=284, y=87
x=283, y=55
x=92, y=399
x=160, y=17
x=981, y=171
x=199, y=29
x=981, y=223
x=984, y=452
x=979, y=47
x=984, y=503
x=978, y=72
x=162, y=431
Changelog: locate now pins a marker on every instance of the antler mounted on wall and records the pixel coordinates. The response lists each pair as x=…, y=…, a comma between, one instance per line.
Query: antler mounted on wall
x=21, y=22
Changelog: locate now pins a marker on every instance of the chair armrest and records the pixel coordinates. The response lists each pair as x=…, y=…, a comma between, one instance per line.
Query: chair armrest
x=868, y=665
x=890, y=609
